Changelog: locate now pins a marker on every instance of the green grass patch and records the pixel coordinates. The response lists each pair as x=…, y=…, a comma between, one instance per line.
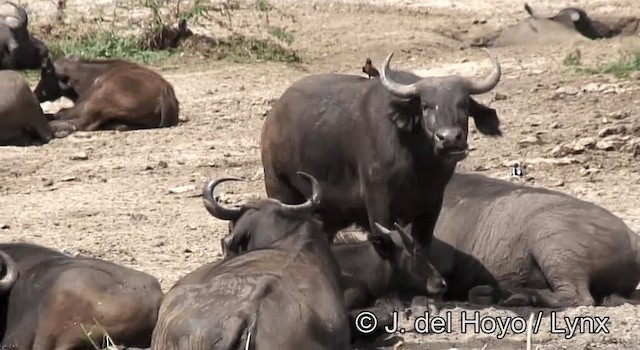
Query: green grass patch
x=32, y=75
x=621, y=68
x=281, y=34
x=624, y=66
x=243, y=49
x=573, y=58
x=107, y=45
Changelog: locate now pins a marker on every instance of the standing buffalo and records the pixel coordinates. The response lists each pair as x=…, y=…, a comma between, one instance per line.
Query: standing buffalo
x=383, y=149
x=22, y=121
x=108, y=94
x=554, y=250
x=19, y=49
x=285, y=294
x=58, y=300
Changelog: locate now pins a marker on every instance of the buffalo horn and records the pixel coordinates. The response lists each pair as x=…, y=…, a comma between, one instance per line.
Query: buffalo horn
x=211, y=203
x=312, y=202
x=23, y=19
x=400, y=90
x=383, y=229
x=11, y=276
x=486, y=85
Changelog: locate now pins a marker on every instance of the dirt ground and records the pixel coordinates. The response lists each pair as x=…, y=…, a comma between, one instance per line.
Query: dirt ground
x=134, y=197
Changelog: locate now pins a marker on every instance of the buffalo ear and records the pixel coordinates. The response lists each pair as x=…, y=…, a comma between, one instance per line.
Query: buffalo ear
x=383, y=244
x=485, y=118
x=46, y=64
x=406, y=113
x=233, y=244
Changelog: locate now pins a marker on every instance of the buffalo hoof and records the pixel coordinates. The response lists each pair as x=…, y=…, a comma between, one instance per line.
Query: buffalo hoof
x=617, y=300
x=420, y=305
x=484, y=295
x=390, y=303
x=61, y=128
x=516, y=300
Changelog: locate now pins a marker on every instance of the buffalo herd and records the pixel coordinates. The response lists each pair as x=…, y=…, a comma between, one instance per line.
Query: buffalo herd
x=337, y=149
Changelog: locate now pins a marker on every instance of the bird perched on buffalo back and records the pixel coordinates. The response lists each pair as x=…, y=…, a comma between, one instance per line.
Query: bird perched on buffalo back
x=369, y=69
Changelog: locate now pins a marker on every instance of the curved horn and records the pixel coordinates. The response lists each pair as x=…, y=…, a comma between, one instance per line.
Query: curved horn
x=486, y=85
x=383, y=229
x=311, y=203
x=23, y=19
x=400, y=90
x=11, y=276
x=211, y=203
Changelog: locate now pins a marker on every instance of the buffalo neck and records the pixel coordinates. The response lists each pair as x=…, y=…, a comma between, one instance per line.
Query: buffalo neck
x=362, y=261
x=311, y=241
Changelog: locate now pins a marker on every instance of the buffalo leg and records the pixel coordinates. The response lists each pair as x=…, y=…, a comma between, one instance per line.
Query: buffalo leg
x=617, y=300
x=377, y=203
x=569, y=283
x=484, y=295
x=356, y=293
x=43, y=130
x=61, y=128
x=86, y=124
x=66, y=114
x=422, y=229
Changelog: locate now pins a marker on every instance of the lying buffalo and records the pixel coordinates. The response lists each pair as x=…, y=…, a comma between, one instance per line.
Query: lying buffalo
x=22, y=121
x=285, y=294
x=108, y=94
x=18, y=49
x=383, y=149
x=544, y=248
x=576, y=19
x=374, y=268
x=58, y=301
x=569, y=25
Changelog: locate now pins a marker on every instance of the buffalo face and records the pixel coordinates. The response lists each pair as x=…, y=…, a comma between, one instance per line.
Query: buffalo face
x=440, y=106
x=53, y=83
x=413, y=271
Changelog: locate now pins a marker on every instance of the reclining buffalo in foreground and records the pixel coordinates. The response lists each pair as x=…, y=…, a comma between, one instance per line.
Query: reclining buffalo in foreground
x=18, y=48
x=22, y=121
x=383, y=149
x=379, y=267
x=285, y=294
x=56, y=300
x=542, y=247
x=107, y=94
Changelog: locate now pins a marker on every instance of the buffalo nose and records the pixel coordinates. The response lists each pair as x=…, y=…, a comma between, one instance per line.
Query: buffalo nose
x=449, y=137
x=436, y=286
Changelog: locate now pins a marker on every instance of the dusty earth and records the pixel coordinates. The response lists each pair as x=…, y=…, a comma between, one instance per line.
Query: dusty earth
x=134, y=197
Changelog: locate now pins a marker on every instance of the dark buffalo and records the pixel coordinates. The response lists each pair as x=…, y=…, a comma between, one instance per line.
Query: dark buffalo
x=383, y=149
x=283, y=295
x=108, y=94
x=550, y=249
x=19, y=49
x=22, y=121
x=57, y=300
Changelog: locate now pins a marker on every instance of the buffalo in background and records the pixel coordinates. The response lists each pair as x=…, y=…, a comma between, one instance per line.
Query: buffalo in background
x=18, y=48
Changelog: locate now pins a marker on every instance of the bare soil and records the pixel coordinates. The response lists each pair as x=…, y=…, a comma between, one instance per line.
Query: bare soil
x=134, y=197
